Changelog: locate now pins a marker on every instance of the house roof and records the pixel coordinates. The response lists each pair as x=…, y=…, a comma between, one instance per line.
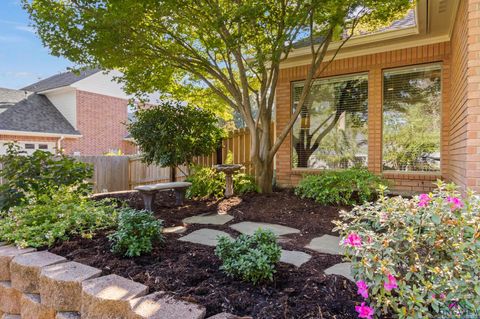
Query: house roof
x=25, y=111
x=60, y=80
x=406, y=22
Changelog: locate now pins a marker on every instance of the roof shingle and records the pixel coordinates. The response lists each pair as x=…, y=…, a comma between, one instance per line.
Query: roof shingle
x=59, y=80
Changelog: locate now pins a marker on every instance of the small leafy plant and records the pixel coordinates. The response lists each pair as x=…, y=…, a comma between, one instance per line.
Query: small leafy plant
x=207, y=183
x=416, y=258
x=43, y=219
x=137, y=231
x=39, y=174
x=251, y=258
x=346, y=187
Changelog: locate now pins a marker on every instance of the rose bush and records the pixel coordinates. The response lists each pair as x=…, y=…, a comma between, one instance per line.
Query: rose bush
x=416, y=258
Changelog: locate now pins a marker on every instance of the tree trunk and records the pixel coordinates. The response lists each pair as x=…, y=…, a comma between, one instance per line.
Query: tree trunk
x=261, y=160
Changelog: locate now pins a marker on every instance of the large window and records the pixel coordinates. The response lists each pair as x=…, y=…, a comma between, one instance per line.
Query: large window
x=331, y=131
x=411, y=118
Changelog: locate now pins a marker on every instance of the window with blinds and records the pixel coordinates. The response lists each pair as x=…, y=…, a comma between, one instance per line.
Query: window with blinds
x=331, y=131
x=411, y=118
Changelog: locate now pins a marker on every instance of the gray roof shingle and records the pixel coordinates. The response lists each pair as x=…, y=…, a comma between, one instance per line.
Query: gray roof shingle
x=30, y=112
x=59, y=80
x=406, y=22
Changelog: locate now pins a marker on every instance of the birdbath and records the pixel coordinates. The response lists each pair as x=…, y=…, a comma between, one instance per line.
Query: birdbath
x=228, y=169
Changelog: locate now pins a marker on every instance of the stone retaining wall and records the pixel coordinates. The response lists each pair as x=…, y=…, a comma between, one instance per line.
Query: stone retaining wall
x=42, y=285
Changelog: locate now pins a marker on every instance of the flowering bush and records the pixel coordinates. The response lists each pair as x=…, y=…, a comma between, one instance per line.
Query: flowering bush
x=416, y=258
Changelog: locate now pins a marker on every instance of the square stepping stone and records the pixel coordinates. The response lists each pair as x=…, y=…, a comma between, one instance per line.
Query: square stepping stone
x=25, y=269
x=109, y=296
x=160, y=305
x=293, y=257
x=61, y=285
x=32, y=308
x=326, y=244
x=205, y=236
x=7, y=253
x=250, y=227
x=342, y=269
x=208, y=219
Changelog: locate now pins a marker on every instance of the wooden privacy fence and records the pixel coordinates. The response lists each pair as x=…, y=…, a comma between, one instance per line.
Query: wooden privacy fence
x=238, y=144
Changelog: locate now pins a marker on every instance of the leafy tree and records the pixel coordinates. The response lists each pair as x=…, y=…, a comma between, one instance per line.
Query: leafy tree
x=172, y=133
x=228, y=49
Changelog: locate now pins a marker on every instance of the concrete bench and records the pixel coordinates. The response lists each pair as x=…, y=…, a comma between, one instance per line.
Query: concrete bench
x=149, y=191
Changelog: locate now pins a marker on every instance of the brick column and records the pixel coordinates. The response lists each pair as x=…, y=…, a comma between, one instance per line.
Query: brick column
x=375, y=120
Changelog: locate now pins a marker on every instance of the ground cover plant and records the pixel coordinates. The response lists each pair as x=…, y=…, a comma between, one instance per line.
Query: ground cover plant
x=343, y=187
x=416, y=258
x=251, y=258
x=136, y=232
x=40, y=174
x=208, y=183
x=44, y=219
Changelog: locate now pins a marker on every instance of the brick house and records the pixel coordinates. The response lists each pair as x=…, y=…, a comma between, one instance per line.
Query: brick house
x=416, y=81
x=82, y=114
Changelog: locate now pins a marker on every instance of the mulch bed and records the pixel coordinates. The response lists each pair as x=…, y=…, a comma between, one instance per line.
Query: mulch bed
x=191, y=271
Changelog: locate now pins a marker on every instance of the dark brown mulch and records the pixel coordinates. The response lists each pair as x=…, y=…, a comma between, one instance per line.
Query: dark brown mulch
x=191, y=271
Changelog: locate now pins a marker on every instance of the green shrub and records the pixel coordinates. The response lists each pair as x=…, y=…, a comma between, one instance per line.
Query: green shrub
x=43, y=219
x=137, y=231
x=419, y=257
x=207, y=183
x=251, y=258
x=38, y=174
x=346, y=187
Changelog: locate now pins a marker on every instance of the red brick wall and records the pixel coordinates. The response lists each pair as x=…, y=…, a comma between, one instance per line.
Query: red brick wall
x=100, y=120
x=464, y=125
x=373, y=64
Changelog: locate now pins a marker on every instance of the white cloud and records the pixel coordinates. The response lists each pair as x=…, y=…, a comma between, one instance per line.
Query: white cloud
x=11, y=39
x=25, y=28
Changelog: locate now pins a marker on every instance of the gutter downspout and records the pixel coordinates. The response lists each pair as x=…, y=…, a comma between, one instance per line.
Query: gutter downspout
x=59, y=144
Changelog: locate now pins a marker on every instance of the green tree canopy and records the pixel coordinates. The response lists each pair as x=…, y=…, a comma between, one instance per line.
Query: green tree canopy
x=172, y=133
x=228, y=51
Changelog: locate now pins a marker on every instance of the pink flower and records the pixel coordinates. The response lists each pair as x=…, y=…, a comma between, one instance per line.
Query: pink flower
x=453, y=304
x=455, y=202
x=391, y=283
x=423, y=200
x=362, y=289
x=353, y=240
x=364, y=311
x=442, y=296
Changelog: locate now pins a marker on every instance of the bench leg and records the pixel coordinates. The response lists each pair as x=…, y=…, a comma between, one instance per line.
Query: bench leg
x=179, y=196
x=148, y=199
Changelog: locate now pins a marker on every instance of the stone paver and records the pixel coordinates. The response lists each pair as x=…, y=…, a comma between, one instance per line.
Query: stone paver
x=326, y=244
x=160, y=305
x=67, y=315
x=293, y=257
x=9, y=298
x=109, y=297
x=7, y=253
x=31, y=308
x=205, y=236
x=208, y=219
x=61, y=285
x=250, y=227
x=342, y=269
x=25, y=269
x=8, y=316
x=174, y=229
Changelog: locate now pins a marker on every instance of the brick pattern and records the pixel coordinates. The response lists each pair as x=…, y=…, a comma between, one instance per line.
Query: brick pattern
x=100, y=120
x=373, y=65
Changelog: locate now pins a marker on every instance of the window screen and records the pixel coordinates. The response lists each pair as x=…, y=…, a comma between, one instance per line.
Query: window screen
x=411, y=118
x=42, y=146
x=331, y=131
x=29, y=146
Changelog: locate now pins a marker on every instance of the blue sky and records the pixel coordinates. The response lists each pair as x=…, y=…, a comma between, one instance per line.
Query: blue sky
x=23, y=59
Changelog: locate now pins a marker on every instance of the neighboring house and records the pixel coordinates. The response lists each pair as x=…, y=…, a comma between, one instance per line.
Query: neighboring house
x=82, y=114
x=405, y=102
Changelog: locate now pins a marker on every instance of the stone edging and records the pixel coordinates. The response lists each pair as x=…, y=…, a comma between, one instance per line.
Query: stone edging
x=42, y=285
